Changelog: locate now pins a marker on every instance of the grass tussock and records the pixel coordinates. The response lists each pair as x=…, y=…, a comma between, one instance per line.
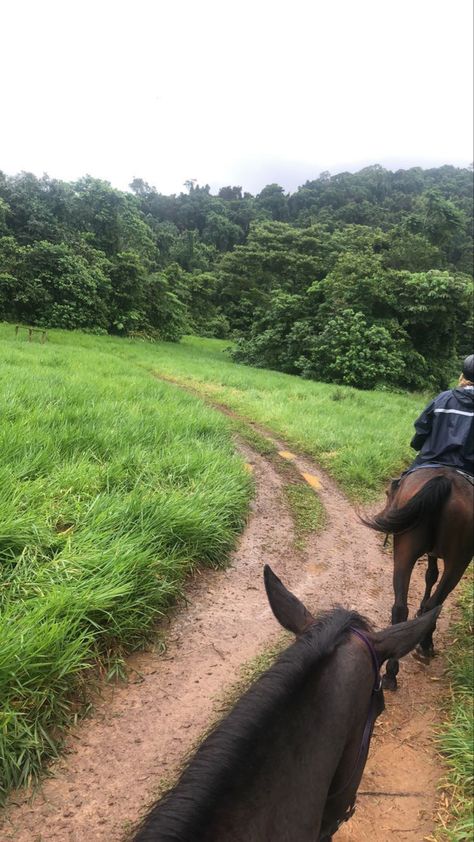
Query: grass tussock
x=456, y=739
x=113, y=486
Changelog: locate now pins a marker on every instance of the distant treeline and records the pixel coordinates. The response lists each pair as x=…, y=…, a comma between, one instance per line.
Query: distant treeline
x=363, y=279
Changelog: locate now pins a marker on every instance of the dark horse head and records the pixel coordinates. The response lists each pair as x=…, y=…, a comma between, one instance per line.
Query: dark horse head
x=431, y=510
x=286, y=762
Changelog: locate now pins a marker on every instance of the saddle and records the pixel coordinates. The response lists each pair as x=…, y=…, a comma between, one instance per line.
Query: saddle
x=469, y=477
x=396, y=482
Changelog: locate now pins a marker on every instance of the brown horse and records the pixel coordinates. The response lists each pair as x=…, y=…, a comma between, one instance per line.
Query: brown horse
x=286, y=762
x=431, y=510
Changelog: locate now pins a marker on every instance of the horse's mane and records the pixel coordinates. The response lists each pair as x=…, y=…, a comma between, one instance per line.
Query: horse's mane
x=182, y=814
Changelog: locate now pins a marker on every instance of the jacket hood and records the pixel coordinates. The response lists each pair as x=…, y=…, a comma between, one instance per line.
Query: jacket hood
x=465, y=396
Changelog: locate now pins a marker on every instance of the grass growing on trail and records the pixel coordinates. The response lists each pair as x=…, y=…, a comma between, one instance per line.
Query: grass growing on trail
x=457, y=736
x=360, y=438
x=309, y=514
x=113, y=486
x=256, y=441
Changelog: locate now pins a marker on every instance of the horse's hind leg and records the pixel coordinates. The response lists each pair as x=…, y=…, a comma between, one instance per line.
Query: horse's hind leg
x=431, y=578
x=454, y=568
x=403, y=562
x=425, y=647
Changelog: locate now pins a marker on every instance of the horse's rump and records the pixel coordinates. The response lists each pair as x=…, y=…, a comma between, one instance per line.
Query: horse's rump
x=424, y=507
x=431, y=510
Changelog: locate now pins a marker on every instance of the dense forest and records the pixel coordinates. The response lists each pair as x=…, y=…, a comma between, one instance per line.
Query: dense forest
x=363, y=279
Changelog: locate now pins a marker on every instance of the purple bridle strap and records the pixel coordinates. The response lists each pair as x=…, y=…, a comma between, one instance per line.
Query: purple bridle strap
x=373, y=654
x=369, y=724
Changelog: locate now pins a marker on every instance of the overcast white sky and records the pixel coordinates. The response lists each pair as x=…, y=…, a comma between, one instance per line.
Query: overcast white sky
x=245, y=92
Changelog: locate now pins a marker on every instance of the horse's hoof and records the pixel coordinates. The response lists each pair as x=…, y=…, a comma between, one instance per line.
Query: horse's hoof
x=389, y=682
x=423, y=655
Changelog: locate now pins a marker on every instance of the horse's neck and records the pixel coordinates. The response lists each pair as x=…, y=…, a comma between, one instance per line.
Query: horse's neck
x=270, y=780
x=282, y=793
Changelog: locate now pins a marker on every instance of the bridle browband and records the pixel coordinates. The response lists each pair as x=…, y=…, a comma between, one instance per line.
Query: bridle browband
x=367, y=733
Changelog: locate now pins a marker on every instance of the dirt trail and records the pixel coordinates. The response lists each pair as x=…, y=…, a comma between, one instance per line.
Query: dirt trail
x=140, y=732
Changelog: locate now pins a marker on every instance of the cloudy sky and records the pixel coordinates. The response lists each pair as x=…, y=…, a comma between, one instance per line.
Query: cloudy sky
x=246, y=92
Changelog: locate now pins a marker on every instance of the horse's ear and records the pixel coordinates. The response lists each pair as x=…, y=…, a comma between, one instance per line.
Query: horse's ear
x=288, y=610
x=396, y=641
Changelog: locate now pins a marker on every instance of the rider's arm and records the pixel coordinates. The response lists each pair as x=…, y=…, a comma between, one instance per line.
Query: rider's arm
x=423, y=426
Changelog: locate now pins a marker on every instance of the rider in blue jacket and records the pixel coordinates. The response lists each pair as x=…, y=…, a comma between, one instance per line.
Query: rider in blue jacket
x=445, y=429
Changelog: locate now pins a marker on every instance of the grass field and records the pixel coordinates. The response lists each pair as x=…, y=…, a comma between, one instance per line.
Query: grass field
x=113, y=486
x=361, y=438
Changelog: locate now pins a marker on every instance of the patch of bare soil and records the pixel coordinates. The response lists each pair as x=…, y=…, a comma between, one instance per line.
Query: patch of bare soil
x=140, y=732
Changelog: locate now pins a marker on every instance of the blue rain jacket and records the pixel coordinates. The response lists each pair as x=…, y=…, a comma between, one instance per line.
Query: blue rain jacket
x=445, y=431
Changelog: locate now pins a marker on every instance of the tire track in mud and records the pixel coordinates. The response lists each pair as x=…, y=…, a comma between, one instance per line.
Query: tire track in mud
x=116, y=761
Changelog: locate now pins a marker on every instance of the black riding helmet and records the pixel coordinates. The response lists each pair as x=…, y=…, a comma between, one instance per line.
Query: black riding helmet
x=468, y=368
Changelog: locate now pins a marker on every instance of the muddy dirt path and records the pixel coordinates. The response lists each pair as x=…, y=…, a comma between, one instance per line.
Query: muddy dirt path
x=139, y=734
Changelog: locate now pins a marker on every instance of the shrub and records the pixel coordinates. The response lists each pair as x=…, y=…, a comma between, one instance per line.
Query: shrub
x=352, y=352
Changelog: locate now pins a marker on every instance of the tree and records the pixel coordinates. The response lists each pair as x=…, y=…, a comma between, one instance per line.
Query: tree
x=36, y=208
x=191, y=253
x=220, y=232
x=51, y=286
x=4, y=209
x=353, y=352
x=165, y=312
x=433, y=307
x=277, y=336
x=276, y=256
x=230, y=194
x=412, y=252
x=273, y=200
x=357, y=281
x=113, y=219
x=127, y=296
x=205, y=316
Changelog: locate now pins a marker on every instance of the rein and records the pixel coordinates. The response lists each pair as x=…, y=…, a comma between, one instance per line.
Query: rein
x=368, y=728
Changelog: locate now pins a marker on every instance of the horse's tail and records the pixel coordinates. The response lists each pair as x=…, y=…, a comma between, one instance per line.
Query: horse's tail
x=425, y=505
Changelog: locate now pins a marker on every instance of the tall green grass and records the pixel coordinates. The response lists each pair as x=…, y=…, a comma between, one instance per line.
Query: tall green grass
x=113, y=486
x=457, y=735
x=360, y=438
